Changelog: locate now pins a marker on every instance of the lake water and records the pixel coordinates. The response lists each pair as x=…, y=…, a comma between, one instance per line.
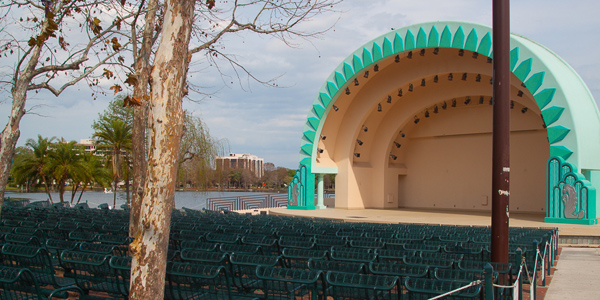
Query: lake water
x=193, y=200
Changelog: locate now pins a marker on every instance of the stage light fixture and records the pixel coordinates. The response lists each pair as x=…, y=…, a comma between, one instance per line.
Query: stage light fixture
x=475, y=54
x=409, y=54
x=389, y=100
x=436, y=50
x=512, y=104
x=524, y=110
x=402, y=134
x=422, y=53
x=355, y=81
x=426, y=114
x=435, y=79
x=397, y=58
x=356, y=154
x=410, y=87
x=365, y=128
x=464, y=76
x=397, y=144
x=489, y=60
x=319, y=150
x=467, y=100
x=394, y=157
x=435, y=109
x=520, y=93
x=523, y=85
x=359, y=142
x=481, y=100
x=491, y=80
x=366, y=74
x=376, y=68
x=423, y=82
x=335, y=108
x=453, y=102
x=323, y=137
x=347, y=91
x=461, y=52
x=417, y=120
x=444, y=106
x=478, y=78
x=400, y=93
x=379, y=109
x=450, y=77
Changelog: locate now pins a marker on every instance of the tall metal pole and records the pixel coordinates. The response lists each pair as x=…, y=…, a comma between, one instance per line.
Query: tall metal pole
x=501, y=131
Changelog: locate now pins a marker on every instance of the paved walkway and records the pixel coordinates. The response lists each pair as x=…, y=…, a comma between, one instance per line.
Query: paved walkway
x=577, y=274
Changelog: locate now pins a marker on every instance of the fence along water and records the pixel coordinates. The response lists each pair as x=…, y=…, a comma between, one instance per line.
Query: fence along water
x=247, y=202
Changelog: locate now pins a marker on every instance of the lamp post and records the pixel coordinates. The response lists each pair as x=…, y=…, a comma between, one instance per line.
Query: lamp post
x=501, y=131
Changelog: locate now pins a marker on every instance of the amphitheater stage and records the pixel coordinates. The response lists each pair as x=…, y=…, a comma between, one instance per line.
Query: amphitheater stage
x=570, y=234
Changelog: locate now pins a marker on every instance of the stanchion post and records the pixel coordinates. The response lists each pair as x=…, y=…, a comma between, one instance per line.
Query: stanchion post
x=488, y=273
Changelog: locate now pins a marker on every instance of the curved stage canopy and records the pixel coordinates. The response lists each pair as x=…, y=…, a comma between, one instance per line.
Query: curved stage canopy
x=405, y=121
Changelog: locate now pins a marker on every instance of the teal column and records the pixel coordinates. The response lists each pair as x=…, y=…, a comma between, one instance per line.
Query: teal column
x=320, y=192
x=593, y=176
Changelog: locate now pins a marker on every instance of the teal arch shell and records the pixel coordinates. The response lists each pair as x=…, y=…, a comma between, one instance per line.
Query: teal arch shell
x=568, y=108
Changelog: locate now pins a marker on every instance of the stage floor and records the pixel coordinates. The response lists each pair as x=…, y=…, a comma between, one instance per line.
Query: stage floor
x=437, y=217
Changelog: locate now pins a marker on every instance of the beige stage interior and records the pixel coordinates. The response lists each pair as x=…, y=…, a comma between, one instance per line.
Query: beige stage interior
x=430, y=147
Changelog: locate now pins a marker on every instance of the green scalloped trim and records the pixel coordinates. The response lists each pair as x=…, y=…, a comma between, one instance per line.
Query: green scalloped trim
x=357, y=64
x=310, y=135
x=485, y=46
x=367, y=58
x=313, y=123
x=523, y=69
x=319, y=110
x=535, y=81
x=388, y=47
x=421, y=38
x=348, y=70
x=514, y=58
x=544, y=97
x=459, y=38
x=560, y=151
x=377, y=53
x=332, y=88
x=552, y=114
x=307, y=149
x=446, y=39
x=339, y=79
x=557, y=133
x=305, y=162
x=434, y=37
x=471, y=43
x=325, y=99
x=409, y=40
x=398, y=43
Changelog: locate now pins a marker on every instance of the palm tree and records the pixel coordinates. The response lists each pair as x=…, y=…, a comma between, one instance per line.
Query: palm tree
x=66, y=163
x=98, y=174
x=36, y=166
x=114, y=135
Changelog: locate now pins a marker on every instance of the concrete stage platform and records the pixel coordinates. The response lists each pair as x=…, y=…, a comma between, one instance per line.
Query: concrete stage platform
x=570, y=234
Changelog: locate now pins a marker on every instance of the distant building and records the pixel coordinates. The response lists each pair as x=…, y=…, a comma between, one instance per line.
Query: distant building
x=241, y=161
x=88, y=144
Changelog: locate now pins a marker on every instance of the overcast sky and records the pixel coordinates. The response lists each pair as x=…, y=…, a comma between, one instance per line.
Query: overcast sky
x=268, y=122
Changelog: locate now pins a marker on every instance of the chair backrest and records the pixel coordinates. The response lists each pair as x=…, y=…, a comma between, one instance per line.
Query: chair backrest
x=425, y=288
x=197, y=281
x=284, y=283
x=333, y=265
x=204, y=257
x=361, y=286
x=18, y=283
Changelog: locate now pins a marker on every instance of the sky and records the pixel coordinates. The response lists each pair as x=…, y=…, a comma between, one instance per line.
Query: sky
x=268, y=121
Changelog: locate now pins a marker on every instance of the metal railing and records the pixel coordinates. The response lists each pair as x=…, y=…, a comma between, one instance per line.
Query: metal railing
x=246, y=202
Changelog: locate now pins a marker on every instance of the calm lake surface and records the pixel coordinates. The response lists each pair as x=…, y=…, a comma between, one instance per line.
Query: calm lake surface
x=188, y=199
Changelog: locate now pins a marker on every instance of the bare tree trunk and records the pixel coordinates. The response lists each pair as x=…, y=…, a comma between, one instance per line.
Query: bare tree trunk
x=138, y=147
x=149, y=248
x=10, y=134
